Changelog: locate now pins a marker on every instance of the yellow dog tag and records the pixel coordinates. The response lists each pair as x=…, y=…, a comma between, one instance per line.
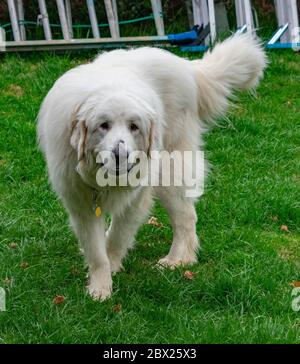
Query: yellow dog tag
x=98, y=211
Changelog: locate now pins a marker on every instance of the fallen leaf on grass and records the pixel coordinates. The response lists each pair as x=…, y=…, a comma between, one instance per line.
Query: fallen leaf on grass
x=295, y=284
x=75, y=271
x=58, y=299
x=284, y=228
x=7, y=281
x=24, y=265
x=12, y=245
x=153, y=221
x=189, y=275
x=117, y=308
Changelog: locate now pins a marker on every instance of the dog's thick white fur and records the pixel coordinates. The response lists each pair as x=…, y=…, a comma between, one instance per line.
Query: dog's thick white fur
x=91, y=108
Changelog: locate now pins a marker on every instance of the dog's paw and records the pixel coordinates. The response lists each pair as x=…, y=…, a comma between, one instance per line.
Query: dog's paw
x=172, y=263
x=99, y=293
x=100, y=286
x=167, y=263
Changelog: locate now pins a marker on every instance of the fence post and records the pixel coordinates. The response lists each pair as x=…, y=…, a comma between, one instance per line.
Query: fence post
x=157, y=12
x=14, y=20
x=239, y=13
x=282, y=18
x=293, y=22
x=248, y=16
x=201, y=15
x=111, y=11
x=63, y=19
x=212, y=20
x=115, y=10
x=244, y=17
x=45, y=20
x=93, y=18
x=69, y=16
x=20, y=11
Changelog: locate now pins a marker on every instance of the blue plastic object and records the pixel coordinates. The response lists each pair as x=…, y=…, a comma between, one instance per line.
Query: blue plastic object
x=183, y=38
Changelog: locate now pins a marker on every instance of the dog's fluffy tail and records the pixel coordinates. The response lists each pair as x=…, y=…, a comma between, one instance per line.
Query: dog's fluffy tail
x=235, y=64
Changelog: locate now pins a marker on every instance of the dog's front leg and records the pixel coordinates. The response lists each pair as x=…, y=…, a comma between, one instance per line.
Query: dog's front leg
x=120, y=236
x=90, y=231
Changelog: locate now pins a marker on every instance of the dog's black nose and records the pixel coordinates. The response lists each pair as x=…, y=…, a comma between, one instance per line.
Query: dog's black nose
x=120, y=151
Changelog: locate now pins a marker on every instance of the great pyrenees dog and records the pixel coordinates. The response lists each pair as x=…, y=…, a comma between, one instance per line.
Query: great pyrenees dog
x=144, y=99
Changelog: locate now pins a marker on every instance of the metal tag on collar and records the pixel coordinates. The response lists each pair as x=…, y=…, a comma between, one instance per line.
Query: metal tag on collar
x=96, y=207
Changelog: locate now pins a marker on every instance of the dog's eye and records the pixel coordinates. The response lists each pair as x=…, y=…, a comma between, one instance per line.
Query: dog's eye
x=133, y=127
x=104, y=126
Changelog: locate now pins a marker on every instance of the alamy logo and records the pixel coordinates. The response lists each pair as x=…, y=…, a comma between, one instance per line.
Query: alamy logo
x=2, y=299
x=162, y=169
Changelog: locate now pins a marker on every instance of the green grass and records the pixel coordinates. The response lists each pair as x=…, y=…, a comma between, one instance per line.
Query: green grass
x=241, y=291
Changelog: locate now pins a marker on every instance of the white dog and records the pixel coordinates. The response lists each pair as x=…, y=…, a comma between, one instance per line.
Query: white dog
x=140, y=99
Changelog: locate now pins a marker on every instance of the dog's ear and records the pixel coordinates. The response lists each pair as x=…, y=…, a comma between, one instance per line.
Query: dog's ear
x=153, y=139
x=78, y=137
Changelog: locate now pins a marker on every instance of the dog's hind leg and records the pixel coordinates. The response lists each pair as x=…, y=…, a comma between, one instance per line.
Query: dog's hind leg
x=183, y=220
x=120, y=236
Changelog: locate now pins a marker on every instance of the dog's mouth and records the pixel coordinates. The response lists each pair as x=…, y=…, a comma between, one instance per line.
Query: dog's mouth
x=117, y=169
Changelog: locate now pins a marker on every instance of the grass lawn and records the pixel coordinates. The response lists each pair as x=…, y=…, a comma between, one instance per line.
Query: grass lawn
x=241, y=291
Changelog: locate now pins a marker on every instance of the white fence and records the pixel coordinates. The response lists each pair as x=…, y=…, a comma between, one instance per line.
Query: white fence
x=203, y=14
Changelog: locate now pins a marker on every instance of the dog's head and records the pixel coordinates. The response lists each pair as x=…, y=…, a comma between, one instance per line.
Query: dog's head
x=114, y=126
